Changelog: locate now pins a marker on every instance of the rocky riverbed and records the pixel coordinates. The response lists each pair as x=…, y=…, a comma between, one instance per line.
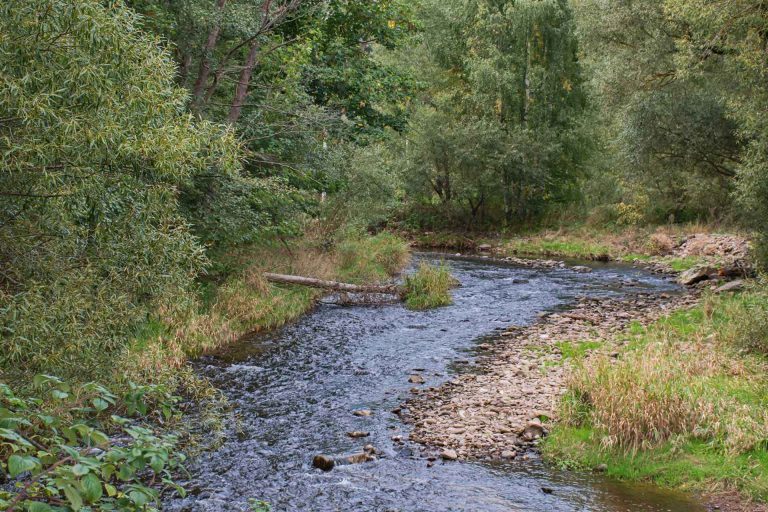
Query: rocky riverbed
x=315, y=402
x=506, y=405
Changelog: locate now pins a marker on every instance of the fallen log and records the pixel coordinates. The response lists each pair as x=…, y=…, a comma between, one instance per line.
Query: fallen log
x=391, y=289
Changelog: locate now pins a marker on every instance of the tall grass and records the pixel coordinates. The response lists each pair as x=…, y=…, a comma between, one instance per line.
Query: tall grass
x=687, y=391
x=430, y=287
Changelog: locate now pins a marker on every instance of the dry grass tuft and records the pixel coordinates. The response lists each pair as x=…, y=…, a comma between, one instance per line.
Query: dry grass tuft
x=683, y=377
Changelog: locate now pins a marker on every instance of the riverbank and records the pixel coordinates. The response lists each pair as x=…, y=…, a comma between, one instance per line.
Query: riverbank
x=679, y=370
x=511, y=399
x=235, y=299
x=666, y=249
x=682, y=404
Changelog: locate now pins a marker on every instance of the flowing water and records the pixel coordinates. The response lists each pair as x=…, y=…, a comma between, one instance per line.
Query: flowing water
x=295, y=389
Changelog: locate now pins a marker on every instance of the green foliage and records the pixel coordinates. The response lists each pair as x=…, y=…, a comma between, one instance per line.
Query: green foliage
x=430, y=287
x=67, y=448
x=496, y=137
x=344, y=72
x=95, y=143
x=675, y=83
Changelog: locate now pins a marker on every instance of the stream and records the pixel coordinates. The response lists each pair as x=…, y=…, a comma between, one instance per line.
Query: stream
x=294, y=391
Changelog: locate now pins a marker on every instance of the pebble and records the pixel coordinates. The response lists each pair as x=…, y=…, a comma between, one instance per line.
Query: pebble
x=449, y=454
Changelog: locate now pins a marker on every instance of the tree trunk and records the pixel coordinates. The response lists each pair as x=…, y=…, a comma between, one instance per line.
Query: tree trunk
x=241, y=91
x=392, y=289
x=185, y=60
x=205, y=61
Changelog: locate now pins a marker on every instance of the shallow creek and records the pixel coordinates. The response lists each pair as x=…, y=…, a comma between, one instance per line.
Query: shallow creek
x=294, y=391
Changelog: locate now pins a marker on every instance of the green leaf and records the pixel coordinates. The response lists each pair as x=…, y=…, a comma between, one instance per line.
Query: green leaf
x=99, y=438
x=125, y=473
x=13, y=436
x=92, y=491
x=18, y=464
x=157, y=464
x=39, y=380
x=111, y=490
x=58, y=394
x=138, y=497
x=74, y=497
x=100, y=404
x=79, y=470
x=36, y=506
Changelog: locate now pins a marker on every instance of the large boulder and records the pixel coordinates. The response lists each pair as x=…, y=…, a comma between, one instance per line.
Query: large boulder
x=696, y=275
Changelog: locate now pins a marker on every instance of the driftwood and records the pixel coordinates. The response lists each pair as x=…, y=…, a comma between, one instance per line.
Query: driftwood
x=391, y=289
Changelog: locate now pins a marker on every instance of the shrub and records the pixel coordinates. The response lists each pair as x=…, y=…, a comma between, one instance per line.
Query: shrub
x=67, y=448
x=96, y=143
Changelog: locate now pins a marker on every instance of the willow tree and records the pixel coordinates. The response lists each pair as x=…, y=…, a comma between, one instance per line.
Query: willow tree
x=95, y=143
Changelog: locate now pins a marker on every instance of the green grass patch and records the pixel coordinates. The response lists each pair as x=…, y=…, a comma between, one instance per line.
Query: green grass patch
x=634, y=256
x=577, y=351
x=576, y=249
x=430, y=287
x=691, y=464
x=682, y=264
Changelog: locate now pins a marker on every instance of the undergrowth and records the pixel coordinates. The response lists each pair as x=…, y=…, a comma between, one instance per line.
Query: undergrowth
x=685, y=404
x=84, y=447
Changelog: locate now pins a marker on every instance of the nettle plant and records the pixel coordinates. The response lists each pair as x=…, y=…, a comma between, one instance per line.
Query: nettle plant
x=70, y=451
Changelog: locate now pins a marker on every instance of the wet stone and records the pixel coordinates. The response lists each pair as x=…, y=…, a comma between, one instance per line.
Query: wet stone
x=323, y=462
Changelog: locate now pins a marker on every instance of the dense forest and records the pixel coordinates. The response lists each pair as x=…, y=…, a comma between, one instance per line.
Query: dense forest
x=158, y=155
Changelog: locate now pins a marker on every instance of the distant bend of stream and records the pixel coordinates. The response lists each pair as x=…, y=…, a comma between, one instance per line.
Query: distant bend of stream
x=294, y=391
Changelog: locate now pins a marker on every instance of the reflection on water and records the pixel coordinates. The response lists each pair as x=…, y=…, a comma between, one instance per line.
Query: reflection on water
x=295, y=390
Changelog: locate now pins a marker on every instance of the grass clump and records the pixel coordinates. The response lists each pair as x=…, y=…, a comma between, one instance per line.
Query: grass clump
x=430, y=287
x=685, y=405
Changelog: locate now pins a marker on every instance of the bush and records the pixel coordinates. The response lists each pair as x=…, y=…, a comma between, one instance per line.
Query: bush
x=96, y=143
x=67, y=448
x=429, y=287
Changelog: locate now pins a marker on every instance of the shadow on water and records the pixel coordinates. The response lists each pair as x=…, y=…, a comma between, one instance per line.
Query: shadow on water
x=295, y=390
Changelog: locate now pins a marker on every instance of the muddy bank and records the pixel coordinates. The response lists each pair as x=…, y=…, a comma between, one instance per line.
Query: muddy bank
x=508, y=403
